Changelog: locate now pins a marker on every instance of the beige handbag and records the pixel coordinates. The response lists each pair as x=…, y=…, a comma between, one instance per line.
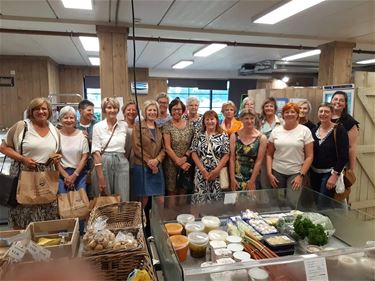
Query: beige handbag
x=37, y=187
x=224, y=175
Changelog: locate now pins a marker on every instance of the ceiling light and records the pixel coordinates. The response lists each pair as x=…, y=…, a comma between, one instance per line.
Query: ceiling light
x=285, y=79
x=287, y=10
x=94, y=60
x=366, y=61
x=182, y=64
x=209, y=50
x=90, y=43
x=302, y=55
x=77, y=4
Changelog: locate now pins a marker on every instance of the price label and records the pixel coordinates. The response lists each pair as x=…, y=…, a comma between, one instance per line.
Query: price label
x=16, y=251
x=39, y=253
x=316, y=269
x=230, y=198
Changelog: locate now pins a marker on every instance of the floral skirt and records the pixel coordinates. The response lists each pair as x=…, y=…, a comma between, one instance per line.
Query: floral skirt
x=22, y=215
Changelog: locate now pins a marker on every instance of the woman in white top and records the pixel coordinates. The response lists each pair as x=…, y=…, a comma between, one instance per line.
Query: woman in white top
x=75, y=150
x=290, y=151
x=108, y=148
x=30, y=143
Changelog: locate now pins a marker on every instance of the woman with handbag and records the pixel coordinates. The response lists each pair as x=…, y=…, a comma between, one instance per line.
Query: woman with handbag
x=30, y=144
x=147, y=171
x=210, y=152
x=331, y=152
x=111, y=174
x=341, y=116
x=177, y=135
x=289, y=151
x=247, y=150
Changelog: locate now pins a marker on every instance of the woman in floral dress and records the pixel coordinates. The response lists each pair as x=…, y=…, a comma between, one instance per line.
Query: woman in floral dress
x=247, y=150
x=207, y=165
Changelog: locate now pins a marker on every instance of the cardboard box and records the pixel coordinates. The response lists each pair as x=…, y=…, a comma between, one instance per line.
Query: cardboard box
x=51, y=229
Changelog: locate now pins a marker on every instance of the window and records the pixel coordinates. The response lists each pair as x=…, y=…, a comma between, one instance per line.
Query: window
x=208, y=99
x=94, y=95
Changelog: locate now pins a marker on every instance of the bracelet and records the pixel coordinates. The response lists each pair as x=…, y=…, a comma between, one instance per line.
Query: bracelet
x=76, y=173
x=98, y=164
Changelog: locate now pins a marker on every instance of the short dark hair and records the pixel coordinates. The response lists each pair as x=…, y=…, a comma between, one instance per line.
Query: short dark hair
x=267, y=101
x=85, y=103
x=345, y=111
x=175, y=102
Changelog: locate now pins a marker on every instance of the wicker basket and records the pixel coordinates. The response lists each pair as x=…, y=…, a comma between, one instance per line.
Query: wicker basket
x=117, y=267
x=120, y=215
x=3, y=267
x=138, y=234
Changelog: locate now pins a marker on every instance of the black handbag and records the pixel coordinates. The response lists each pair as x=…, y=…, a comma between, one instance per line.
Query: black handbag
x=8, y=184
x=185, y=179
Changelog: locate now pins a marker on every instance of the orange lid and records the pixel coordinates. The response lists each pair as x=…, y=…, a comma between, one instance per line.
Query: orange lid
x=173, y=228
x=179, y=241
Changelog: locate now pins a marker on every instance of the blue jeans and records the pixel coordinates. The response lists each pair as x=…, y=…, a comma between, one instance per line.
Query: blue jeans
x=79, y=183
x=319, y=184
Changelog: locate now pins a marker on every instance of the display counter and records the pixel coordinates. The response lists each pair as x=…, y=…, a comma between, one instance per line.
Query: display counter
x=345, y=257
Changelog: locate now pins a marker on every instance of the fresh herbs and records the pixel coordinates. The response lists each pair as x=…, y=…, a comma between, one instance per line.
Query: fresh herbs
x=315, y=233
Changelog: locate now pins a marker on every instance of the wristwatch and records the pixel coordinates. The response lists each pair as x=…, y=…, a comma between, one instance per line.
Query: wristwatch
x=336, y=173
x=302, y=175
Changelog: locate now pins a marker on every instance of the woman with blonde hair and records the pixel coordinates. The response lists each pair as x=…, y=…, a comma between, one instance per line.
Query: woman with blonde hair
x=108, y=149
x=230, y=123
x=247, y=150
x=304, y=110
x=147, y=171
x=30, y=144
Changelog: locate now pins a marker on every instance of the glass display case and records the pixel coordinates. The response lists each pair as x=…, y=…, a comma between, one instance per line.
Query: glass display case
x=347, y=256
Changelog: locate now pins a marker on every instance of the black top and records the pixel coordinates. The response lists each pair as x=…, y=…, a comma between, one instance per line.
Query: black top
x=347, y=121
x=309, y=125
x=325, y=155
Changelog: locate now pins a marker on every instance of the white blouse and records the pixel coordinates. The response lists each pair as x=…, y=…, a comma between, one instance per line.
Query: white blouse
x=101, y=135
x=72, y=148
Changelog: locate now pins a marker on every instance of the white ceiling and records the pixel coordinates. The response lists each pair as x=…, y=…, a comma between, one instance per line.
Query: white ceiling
x=209, y=20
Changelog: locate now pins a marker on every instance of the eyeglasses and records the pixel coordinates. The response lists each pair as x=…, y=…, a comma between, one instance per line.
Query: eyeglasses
x=176, y=109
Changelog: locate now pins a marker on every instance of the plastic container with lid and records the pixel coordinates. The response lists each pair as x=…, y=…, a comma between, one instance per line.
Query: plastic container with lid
x=173, y=228
x=241, y=256
x=210, y=223
x=196, y=226
x=198, y=242
x=180, y=244
x=258, y=274
x=185, y=218
x=235, y=247
x=217, y=234
x=233, y=239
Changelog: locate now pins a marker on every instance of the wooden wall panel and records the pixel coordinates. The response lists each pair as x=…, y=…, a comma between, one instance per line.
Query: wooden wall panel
x=363, y=192
x=53, y=77
x=31, y=80
x=155, y=86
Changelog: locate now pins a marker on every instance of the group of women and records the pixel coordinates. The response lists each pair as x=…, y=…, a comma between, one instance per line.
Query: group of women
x=142, y=159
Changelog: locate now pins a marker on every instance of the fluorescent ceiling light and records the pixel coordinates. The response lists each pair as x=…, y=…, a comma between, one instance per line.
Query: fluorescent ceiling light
x=90, y=43
x=302, y=55
x=366, y=61
x=77, y=4
x=94, y=60
x=287, y=10
x=209, y=50
x=182, y=64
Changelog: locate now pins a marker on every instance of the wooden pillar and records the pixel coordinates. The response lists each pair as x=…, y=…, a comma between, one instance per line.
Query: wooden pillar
x=113, y=61
x=335, y=66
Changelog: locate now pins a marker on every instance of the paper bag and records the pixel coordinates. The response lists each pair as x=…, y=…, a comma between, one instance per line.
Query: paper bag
x=104, y=200
x=74, y=204
x=37, y=187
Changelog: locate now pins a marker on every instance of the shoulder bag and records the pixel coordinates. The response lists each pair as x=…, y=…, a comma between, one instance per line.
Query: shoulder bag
x=9, y=183
x=224, y=175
